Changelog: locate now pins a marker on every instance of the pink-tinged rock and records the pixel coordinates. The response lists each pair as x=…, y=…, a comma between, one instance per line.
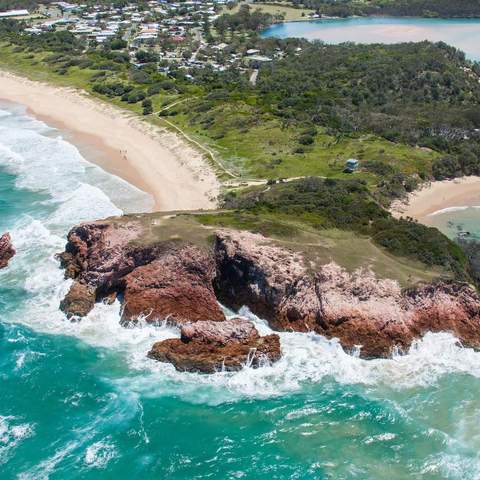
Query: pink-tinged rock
x=177, y=287
x=162, y=280
x=209, y=347
x=100, y=253
x=79, y=301
x=357, y=308
x=234, y=330
x=7, y=251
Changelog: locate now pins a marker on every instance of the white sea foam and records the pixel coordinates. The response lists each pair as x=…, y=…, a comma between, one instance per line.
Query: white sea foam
x=44, y=469
x=449, y=210
x=99, y=454
x=306, y=359
x=450, y=465
x=12, y=433
x=57, y=168
x=49, y=164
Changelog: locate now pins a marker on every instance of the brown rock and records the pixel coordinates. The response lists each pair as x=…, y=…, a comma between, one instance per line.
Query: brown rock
x=220, y=333
x=159, y=280
x=110, y=298
x=358, y=309
x=209, y=347
x=177, y=287
x=79, y=301
x=6, y=250
x=100, y=253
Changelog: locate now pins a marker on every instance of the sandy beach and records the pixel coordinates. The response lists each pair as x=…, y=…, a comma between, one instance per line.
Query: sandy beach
x=153, y=159
x=437, y=196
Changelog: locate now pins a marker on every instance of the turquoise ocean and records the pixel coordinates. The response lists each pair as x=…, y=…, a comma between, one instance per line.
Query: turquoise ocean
x=82, y=401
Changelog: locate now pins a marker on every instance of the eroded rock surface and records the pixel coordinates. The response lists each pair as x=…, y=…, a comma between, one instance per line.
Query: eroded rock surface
x=177, y=287
x=181, y=282
x=162, y=280
x=100, y=253
x=7, y=251
x=358, y=309
x=79, y=300
x=209, y=347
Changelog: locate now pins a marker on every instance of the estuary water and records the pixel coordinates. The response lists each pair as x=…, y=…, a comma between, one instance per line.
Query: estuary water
x=82, y=401
x=463, y=34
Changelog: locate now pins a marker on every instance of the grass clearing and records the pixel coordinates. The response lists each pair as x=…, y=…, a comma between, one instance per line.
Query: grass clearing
x=256, y=146
x=290, y=13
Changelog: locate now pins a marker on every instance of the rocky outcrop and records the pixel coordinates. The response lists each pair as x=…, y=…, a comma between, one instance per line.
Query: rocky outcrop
x=7, y=251
x=358, y=309
x=209, y=347
x=177, y=287
x=173, y=280
x=156, y=280
x=79, y=301
x=100, y=254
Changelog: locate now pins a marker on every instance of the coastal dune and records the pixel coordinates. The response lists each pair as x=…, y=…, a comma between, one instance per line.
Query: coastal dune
x=155, y=160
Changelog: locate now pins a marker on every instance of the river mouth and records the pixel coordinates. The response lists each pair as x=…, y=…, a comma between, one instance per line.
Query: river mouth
x=463, y=34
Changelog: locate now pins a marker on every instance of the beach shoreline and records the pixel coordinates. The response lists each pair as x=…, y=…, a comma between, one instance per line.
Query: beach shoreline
x=152, y=159
x=436, y=196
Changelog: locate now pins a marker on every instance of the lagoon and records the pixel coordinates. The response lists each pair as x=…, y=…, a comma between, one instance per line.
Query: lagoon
x=463, y=34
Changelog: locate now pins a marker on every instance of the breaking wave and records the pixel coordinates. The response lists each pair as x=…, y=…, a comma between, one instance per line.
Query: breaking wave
x=51, y=165
x=55, y=189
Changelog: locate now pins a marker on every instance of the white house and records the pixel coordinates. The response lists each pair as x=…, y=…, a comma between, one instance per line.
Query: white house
x=14, y=13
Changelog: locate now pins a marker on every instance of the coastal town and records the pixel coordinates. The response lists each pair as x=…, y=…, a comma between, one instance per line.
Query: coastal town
x=179, y=34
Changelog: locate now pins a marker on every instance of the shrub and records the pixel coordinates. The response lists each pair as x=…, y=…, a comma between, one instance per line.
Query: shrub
x=147, y=106
x=446, y=167
x=306, y=139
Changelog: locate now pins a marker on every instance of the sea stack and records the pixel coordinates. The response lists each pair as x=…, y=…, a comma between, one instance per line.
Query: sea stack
x=209, y=347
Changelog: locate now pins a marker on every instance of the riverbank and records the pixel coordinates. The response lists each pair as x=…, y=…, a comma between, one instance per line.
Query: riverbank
x=437, y=196
x=154, y=160
x=462, y=33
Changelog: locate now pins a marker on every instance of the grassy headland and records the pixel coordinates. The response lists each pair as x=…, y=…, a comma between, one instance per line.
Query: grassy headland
x=404, y=111
x=407, y=112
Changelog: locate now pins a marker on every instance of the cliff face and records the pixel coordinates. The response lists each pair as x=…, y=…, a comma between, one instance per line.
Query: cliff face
x=158, y=281
x=358, y=309
x=181, y=282
x=178, y=285
x=7, y=251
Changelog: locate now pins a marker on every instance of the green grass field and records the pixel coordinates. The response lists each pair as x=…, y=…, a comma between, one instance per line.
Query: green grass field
x=251, y=144
x=257, y=147
x=290, y=13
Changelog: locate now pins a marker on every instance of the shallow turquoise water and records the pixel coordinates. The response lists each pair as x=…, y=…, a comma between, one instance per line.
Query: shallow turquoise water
x=455, y=220
x=81, y=400
x=460, y=33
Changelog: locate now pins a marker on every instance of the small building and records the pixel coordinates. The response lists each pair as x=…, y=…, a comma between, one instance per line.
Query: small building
x=351, y=165
x=14, y=13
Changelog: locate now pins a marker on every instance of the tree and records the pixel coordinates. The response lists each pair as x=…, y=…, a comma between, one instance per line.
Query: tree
x=117, y=44
x=146, y=56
